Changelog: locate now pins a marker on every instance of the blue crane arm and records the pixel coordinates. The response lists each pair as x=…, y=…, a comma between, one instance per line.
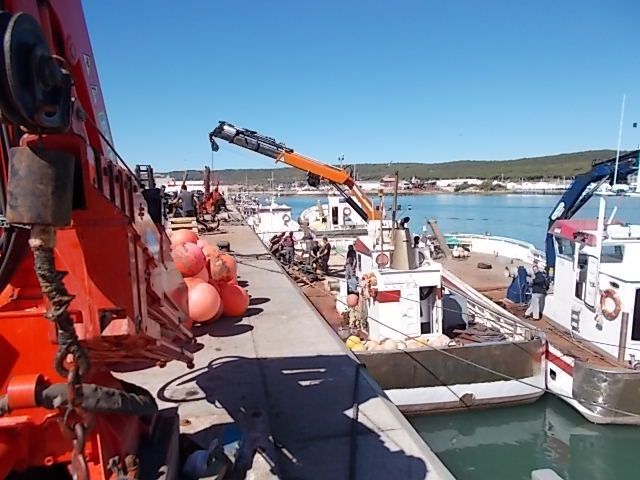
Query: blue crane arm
x=582, y=189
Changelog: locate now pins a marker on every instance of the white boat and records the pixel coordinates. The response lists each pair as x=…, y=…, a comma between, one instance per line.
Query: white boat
x=407, y=303
x=335, y=220
x=592, y=312
x=497, y=246
x=271, y=219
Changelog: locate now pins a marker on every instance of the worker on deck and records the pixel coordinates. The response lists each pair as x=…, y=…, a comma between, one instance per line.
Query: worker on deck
x=351, y=253
x=314, y=255
x=325, y=253
x=187, y=201
x=275, y=244
x=307, y=240
x=539, y=287
x=288, y=247
x=350, y=275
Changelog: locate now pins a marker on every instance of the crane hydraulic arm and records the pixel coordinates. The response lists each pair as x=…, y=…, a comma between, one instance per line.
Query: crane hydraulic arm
x=583, y=188
x=269, y=147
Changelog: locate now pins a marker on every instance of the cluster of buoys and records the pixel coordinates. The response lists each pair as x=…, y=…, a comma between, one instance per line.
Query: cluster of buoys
x=425, y=341
x=211, y=278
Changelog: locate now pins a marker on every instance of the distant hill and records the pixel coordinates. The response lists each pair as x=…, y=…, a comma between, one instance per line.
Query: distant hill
x=565, y=164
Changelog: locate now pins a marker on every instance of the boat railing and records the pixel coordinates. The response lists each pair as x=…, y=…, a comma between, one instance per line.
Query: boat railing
x=511, y=329
x=485, y=311
x=513, y=241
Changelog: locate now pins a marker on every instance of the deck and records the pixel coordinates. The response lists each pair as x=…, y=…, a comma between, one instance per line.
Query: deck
x=280, y=377
x=494, y=284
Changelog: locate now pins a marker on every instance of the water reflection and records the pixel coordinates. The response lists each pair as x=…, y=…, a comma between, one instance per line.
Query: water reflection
x=509, y=443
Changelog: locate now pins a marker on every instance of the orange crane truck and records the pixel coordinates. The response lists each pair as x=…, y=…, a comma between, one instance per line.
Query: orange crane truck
x=87, y=282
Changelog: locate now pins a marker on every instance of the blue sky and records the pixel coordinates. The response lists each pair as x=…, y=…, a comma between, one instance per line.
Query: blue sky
x=423, y=81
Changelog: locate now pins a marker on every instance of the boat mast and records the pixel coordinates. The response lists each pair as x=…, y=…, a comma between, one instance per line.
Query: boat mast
x=395, y=202
x=615, y=174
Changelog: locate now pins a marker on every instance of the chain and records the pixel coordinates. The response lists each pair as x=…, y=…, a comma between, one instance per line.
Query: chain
x=79, y=468
x=71, y=360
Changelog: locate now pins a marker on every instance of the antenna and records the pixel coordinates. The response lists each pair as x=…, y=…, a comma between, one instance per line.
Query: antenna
x=615, y=172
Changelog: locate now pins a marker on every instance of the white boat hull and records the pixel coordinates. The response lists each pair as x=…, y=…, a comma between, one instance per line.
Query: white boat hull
x=415, y=401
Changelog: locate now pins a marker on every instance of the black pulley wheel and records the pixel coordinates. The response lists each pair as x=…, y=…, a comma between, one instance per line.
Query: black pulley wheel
x=35, y=91
x=7, y=107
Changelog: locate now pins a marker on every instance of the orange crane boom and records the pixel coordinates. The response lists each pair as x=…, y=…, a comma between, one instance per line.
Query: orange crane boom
x=316, y=170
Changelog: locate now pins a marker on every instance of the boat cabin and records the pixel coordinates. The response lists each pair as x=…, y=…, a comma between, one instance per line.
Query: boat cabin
x=596, y=292
x=272, y=219
x=335, y=215
x=401, y=285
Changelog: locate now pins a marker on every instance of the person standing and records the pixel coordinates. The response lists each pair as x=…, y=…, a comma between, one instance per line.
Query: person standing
x=187, y=201
x=325, y=252
x=288, y=245
x=351, y=276
x=314, y=255
x=351, y=253
x=539, y=287
x=307, y=239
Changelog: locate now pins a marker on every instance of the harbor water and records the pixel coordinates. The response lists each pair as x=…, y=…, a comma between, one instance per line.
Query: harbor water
x=524, y=217
x=508, y=443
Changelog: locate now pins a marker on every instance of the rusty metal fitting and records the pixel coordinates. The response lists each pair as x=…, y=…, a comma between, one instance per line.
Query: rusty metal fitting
x=23, y=391
x=42, y=237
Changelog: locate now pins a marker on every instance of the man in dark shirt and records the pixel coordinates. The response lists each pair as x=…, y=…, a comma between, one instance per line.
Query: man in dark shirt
x=325, y=252
x=351, y=253
x=539, y=287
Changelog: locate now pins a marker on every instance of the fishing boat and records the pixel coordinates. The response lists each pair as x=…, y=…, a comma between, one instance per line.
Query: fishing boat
x=271, y=219
x=592, y=314
x=334, y=219
x=431, y=341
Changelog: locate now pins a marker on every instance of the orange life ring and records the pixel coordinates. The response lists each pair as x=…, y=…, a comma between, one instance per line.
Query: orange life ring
x=608, y=312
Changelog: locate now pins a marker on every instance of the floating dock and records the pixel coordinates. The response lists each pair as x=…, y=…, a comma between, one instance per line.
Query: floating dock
x=283, y=378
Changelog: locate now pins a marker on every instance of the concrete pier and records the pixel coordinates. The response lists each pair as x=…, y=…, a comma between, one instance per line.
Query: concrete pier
x=282, y=377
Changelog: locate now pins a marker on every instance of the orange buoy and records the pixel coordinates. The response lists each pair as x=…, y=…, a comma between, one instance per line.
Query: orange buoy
x=231, y=265
x=235, y=300
x=221, y=285
x=210, y=251
x=203, y=274
x=191, y=281
x=219, y=312
x=204, y=302
x=352, y=300
x=219, y=270
x=183, y=236
x=188, y=258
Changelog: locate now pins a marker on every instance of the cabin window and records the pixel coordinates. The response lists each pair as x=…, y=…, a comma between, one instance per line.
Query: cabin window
x=334, y=215
x=635, y=329
x=612, y=254
x=566, y=248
